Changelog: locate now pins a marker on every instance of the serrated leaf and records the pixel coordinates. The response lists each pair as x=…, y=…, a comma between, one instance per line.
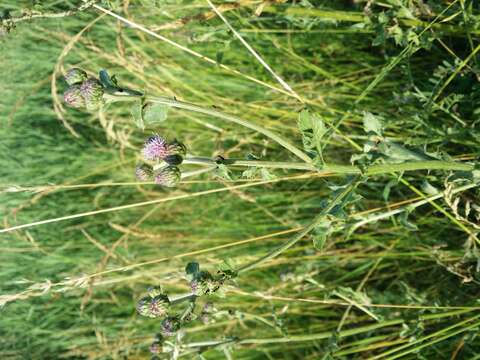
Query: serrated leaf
x=250, y=173
x=154, y=113
x=372, y=124
x=266, y=175
x=313, y=129
x=322, y=231
x=223, y=172
x=136, y=111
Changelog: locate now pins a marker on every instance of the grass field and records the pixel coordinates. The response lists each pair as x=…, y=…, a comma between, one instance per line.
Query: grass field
x=390, y=89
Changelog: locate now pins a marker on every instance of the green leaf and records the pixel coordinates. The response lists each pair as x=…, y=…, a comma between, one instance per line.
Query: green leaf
x=403, y=219
x=322, y=231
x=250, y=173
x=106, y=80
x=399, y=152
x=266, y=175
x=313, y=129
x=192, y=270
x=136, y=111
x=154, y=113
x=372, y=124
x=222, y=172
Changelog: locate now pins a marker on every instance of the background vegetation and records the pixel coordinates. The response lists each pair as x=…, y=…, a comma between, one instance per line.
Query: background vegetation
x=344, y=58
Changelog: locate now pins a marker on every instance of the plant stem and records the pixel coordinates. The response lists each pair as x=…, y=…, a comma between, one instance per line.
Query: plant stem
x=201, y=160
x=208, y=343
x=177, y=299
x=296, y=338
x=336, y=169
x=187, y=174
x=302, y=233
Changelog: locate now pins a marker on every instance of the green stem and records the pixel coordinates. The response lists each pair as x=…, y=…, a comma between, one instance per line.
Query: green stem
x=336, y=169
x=202, y=160
x=178, y=299
x=210, y=343
x=302, y=233
x=187, y=174
x=297, y=338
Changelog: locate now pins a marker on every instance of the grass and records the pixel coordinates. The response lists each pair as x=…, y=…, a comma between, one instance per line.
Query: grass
x=397, y=278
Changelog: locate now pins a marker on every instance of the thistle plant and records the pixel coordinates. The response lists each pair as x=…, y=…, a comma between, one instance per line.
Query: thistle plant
x=174, y=312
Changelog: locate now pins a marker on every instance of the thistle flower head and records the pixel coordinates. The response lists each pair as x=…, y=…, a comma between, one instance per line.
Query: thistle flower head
x=143, y=172
x=155, y=148
x=92, y=91
x=175, y=153
x=168, y=176
x=153, y=307
x=75, y=76
x=170, y=326
x=73, y=97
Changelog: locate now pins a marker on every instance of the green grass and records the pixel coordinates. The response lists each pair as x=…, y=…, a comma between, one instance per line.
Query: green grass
x=425, y=280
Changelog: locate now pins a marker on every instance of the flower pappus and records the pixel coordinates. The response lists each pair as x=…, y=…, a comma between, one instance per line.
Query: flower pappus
x=155, y=148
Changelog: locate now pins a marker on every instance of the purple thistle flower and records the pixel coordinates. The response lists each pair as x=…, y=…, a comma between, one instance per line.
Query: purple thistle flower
x=73, y=97
x=155, y=148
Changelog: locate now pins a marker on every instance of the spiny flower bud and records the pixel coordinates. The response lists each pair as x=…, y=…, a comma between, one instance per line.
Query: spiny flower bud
x=175, y=153
x=155, y=347
x=73, y=97
x=155, y=148
x=92, y=90
x=153, y=307
x=168, y=176
x=75, y=76
x=143, y=172
x=205, y=284
x=170, y=326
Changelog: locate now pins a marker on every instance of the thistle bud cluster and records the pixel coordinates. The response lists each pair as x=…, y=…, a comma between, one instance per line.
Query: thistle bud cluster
x=170, y=154
x=157, y=304
x=204, y=283
x=83, y=91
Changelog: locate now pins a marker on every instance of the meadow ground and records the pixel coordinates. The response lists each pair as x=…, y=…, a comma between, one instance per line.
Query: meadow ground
x=391, y=273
